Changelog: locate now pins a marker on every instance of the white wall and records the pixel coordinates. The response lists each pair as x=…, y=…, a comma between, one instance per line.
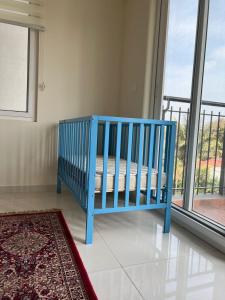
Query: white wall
x=94, y=59
x=138, y=51
x=80, y=59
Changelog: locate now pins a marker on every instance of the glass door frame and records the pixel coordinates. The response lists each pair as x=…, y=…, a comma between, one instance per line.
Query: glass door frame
x=195, y=107
x=196, y=100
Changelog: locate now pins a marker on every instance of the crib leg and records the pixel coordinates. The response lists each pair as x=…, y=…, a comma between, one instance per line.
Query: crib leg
x=59, y=185
x=167, y=219
x=89, y=228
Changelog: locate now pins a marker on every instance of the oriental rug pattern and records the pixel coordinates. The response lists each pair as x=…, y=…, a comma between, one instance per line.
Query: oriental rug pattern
x=39, y=260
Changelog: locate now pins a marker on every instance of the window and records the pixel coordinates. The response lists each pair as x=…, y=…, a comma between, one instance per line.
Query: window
x=18, y=71
x=194, y=96
x=180, y=48
x=178, y=82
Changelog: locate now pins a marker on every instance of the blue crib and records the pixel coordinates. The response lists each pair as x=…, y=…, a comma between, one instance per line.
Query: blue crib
x=116, y=158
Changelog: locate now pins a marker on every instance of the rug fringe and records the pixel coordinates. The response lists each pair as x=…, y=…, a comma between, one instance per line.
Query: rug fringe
x=30, y=212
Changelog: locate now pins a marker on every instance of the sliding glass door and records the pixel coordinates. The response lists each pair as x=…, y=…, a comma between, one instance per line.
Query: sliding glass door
x=178, y=82
x=194, y=96
x=209, y=190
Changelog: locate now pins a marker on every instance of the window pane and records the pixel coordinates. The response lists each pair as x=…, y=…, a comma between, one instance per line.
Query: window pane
x=178, y=82
x=13, y=67
x=180, y=48
x=214, y=72
x=209, y=191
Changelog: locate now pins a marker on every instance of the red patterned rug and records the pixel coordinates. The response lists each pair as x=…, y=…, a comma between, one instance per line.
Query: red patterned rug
x=39, y=260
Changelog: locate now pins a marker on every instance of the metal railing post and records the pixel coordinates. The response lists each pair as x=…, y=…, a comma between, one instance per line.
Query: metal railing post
x=222, y=174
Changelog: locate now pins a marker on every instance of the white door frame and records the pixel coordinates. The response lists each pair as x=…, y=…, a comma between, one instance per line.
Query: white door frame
x=191, y=220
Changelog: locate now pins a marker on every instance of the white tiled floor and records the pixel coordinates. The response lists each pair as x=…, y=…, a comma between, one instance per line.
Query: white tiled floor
x=131, y=258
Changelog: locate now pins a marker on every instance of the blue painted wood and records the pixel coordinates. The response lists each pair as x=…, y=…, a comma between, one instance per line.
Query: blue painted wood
x=133, y=120
x=66, y=153
x=88, y=137
x=140, y=164
x=59, y=185
x=168, y=128
x=129, y=149
x=117, y=164
x=169, y=185
x=105, y=163
x=160, y=163
x=76, y=156
x=77, y=161
x=144, y=147
x=82, y=162
x=110, y=210
x=150, y=161
x=120, y=119
x=91, y=181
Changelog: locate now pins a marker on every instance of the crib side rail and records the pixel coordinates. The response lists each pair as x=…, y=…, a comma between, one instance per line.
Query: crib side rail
x=74, y=156
x=149, y=143
x=144, y=142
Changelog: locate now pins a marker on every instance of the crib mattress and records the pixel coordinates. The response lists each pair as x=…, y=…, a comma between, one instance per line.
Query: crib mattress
x=122, y=175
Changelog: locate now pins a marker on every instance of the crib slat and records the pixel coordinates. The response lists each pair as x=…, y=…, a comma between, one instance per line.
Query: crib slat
x=82, y=163
x=59, y=149
x=105, y=163
x=76, y=156
x=85, y=163
x=129, y=149
x=65, y=152
x=66, y=156
x=171, y=150
x=150, y=161
x=88, y=138
x=127, y=128
x=144, y=147
x=139, y=167
x=91, y=180
x=167, y=144
x=160, y=159
x=70, y=153
x=62, y=148
x=117, y=164
x=79, y=159
x=167, y=147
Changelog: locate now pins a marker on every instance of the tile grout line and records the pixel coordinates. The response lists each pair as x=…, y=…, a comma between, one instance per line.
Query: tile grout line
x=121, y=266
x=162, y=259
x=134, y=284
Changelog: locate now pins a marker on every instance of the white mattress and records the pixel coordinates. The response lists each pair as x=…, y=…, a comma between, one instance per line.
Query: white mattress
x=122, y=175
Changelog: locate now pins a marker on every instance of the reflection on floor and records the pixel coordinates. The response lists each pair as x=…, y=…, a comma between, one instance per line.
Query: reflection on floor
x=131, y=258
x=212, y=207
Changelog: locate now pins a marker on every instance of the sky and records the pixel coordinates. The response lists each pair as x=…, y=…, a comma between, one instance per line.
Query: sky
x=180, y=50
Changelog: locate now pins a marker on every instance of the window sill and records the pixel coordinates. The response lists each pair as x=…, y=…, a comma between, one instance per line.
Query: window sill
x=200, y=227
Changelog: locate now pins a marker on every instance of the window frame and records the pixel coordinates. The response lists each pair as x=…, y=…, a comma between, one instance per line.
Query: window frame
x=199, y=225
x=32, y=81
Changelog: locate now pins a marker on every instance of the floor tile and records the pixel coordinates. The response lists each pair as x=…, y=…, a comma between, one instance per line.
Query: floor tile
x=131, y=256
x=192, y=277
x=97, y=257
x=145, y=240
x=114, y=285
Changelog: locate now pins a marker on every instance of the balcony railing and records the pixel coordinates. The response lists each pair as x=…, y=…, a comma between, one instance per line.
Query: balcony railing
x=210, y=162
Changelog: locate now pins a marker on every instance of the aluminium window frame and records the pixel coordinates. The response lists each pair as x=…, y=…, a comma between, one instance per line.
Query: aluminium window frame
x=199, y=225
x=32, y=82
